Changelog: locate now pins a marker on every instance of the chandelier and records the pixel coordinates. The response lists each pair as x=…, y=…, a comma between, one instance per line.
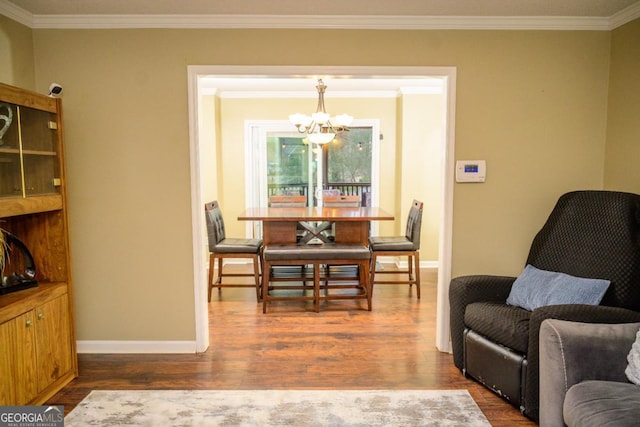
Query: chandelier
x=319, y=126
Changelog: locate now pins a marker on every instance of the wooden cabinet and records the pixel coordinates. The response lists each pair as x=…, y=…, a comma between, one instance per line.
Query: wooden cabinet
x=53, y=341
x=37, y=334
x=17, y=367
x=40, y=344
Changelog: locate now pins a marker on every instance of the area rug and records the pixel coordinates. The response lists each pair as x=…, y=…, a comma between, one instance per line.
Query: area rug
x=299, y=408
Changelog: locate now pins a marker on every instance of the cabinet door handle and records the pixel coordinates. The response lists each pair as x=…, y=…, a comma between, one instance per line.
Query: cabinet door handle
x=28, y=322
x=40, y=315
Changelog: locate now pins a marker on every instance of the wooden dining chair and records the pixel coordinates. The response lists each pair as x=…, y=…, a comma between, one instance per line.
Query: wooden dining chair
x=221, y=247
x=341, y=201
x=286, y=201
x=290, y=201
x=399, y=246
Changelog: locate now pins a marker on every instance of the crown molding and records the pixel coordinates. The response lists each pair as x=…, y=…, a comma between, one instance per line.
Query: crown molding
x=363, y=22
x=239, y=94
x=16, y=13
x=422, y=90
x=625, y=16
x=358, y=22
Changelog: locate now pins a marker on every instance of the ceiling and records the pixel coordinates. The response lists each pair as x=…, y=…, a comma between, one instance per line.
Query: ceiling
x=500, y=14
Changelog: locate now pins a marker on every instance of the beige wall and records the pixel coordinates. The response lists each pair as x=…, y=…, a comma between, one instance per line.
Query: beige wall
x=208, y=110
x=421, y=167
x=16, y=54
x=623, y=125
x=533, y=104
x=208, y=127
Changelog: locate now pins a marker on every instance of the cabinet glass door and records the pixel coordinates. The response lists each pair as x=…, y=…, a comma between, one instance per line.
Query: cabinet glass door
x=10, y=168
x=28, y=152
x=39, y=151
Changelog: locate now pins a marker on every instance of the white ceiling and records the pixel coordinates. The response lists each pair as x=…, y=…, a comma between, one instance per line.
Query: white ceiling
x=383, y=14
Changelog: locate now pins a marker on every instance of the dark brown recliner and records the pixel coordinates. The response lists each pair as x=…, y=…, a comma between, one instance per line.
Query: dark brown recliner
x=592, y=234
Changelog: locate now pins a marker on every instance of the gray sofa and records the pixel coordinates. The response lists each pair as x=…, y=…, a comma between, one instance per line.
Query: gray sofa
x=582, y=378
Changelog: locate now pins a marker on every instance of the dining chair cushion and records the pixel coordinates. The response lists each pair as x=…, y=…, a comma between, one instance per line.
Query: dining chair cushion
x=328, y=251
x=238, y=246
x=391, y=243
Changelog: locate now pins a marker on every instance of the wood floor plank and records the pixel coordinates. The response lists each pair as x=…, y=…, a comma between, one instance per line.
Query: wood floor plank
x=291, y=347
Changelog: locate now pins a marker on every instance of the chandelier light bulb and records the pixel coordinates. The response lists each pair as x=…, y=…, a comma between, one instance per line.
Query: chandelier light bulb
x=296, y=118
x=343, y=120
x=321, y=138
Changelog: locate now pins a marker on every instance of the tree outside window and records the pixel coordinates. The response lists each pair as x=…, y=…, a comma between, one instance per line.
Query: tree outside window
x=348, y=157
x=346, y=163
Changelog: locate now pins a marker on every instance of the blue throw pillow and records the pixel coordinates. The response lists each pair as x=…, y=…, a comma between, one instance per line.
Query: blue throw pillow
x=537, y=288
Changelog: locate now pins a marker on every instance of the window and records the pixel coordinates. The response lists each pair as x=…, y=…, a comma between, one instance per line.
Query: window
x=348, y=158
x=287, y=165
x=345, y=166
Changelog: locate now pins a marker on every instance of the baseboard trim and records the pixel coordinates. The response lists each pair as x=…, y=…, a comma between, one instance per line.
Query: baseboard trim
x=401, y=262
x=136, y=346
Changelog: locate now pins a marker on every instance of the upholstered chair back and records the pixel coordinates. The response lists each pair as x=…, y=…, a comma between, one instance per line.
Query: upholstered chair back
x=594, y=234
x=215, y=224
x=414, y=224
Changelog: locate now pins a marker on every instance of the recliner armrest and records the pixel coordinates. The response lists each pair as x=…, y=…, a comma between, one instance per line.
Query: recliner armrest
x=572, y=352
x=465, y=290
x=481, y=288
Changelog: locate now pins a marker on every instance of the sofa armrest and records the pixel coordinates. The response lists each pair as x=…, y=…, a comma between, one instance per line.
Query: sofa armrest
x=572, y=352
x=569, y=312
x=465, y=290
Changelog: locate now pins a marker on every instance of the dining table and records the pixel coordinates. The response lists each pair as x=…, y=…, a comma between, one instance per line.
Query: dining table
x=308, y=225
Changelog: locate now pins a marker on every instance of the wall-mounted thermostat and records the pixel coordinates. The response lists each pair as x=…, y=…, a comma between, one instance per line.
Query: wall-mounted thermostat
x=471, y=170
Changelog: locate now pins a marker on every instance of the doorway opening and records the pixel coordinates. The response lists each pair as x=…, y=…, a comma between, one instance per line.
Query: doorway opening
x=199, y=158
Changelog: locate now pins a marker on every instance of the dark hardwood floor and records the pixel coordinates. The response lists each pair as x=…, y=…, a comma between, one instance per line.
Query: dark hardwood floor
x=342, y=347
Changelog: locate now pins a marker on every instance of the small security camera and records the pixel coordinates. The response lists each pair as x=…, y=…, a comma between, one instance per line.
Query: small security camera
x=55, y=89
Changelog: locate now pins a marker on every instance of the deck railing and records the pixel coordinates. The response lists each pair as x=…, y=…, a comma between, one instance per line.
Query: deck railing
x=349, y=189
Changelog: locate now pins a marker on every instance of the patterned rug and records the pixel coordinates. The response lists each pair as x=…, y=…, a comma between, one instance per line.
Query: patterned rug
x=299, y=408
